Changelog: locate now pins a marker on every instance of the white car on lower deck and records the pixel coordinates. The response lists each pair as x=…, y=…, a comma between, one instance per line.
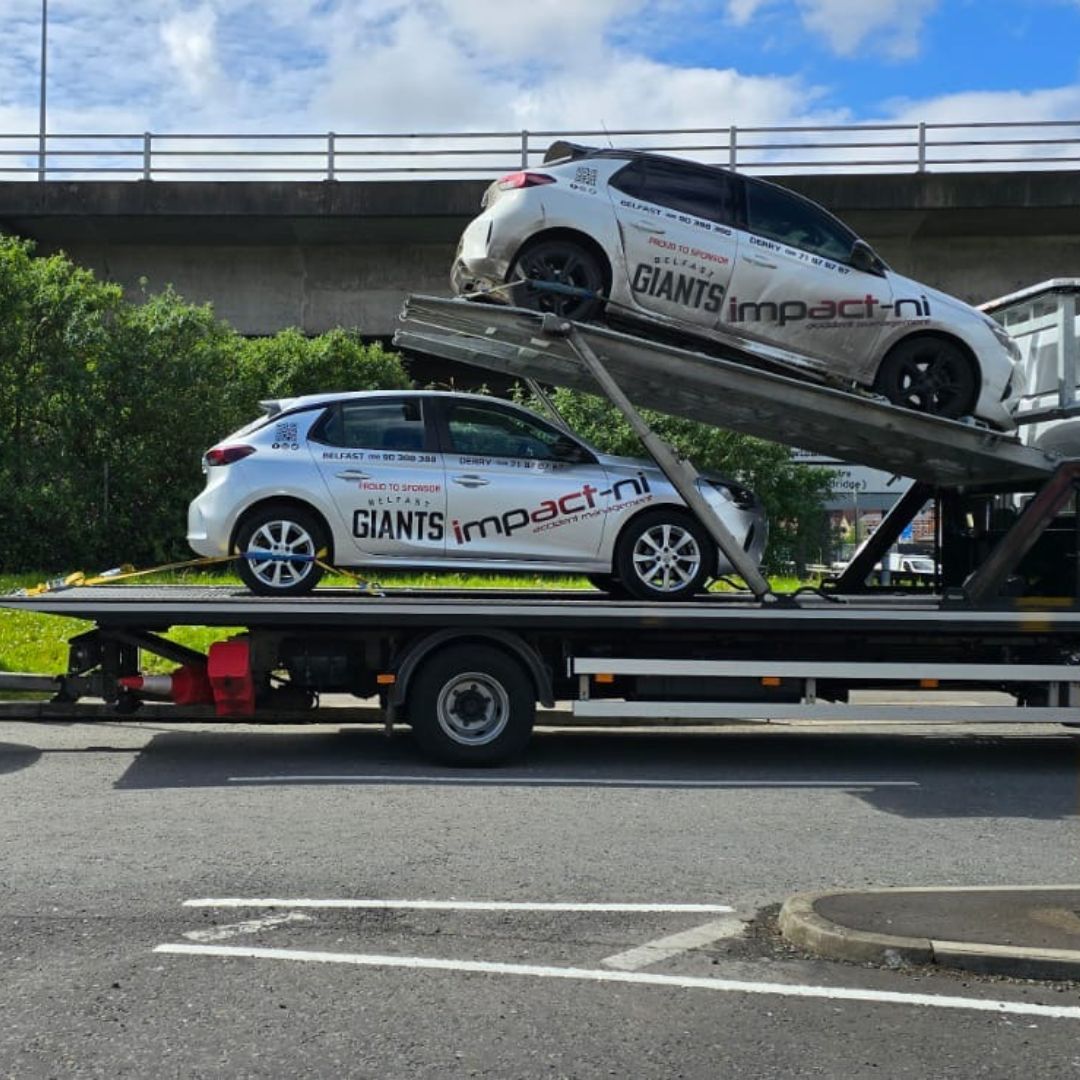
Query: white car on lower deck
x=731, y=258
x=447, y=481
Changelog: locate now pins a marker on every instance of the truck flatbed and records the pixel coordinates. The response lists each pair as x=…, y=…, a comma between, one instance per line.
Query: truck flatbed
x=161, y=606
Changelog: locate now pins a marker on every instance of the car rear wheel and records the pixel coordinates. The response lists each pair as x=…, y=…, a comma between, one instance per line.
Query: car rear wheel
x=607, y=583
x=559, y=262
x=930, y=375
x=664, y=555
x=282, y=543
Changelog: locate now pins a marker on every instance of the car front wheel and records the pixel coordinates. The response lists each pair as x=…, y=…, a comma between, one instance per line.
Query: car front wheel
x=278, y=548
x=930, y=375
x=558, y=262
x=664, y=555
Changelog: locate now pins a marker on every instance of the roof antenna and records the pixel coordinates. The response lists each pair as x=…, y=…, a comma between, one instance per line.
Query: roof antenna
x=611, y=145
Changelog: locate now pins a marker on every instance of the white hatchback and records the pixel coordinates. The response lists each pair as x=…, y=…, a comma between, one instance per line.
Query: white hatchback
x=734, y=259
x=448, y=481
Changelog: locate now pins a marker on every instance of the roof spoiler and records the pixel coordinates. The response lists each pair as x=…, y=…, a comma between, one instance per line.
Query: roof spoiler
x=566, y=151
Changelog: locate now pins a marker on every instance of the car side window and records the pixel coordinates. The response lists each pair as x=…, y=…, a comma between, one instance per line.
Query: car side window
x=780, y=215
x=374, y=425
x=493, y=432
x=701, y=193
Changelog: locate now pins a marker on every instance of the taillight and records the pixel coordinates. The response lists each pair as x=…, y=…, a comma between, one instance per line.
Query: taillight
x=523, y=179
x=226, y=455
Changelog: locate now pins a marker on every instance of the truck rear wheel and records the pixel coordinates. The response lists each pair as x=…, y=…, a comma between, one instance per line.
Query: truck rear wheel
x=471, y=705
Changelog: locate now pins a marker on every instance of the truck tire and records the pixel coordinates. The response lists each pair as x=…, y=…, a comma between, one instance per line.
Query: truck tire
x=280, y=530
x=664, y=555
x=471, y=705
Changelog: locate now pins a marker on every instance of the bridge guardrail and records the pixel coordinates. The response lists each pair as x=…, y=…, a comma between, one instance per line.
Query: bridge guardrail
x=914, y=147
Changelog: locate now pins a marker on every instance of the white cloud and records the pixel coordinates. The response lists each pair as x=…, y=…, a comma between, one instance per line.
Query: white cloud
x=740, y=12
x=540, y=29
x=190, y=40
x=890, y=27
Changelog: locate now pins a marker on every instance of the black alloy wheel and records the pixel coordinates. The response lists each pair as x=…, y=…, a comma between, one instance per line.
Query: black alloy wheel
x=562, y=262
x=930, y=375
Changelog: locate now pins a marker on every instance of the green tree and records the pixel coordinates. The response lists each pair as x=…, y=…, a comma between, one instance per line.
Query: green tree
x=290, y=364
x=108, y=407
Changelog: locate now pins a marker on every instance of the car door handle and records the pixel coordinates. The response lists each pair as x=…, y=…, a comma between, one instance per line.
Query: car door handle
x=471, y=480
x=642, y=226
x=760, y=262
x=353, y=474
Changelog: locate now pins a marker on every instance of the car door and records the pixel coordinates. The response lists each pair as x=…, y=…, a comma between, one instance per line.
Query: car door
x=676, y=223
x=794, y=285
x=378, y=459
x=518, y=488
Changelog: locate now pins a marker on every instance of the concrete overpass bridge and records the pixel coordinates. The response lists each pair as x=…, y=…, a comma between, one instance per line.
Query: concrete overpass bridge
x=316, y=254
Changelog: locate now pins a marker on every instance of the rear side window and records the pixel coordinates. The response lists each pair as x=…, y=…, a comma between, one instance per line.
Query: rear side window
x=780, y=215
x=688, y=189
x=374, y=425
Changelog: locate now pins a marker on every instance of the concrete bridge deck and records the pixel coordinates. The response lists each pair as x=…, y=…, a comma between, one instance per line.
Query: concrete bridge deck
x=319, y=254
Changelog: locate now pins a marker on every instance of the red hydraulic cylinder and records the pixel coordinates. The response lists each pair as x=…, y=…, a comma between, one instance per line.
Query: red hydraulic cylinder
x=187, y=685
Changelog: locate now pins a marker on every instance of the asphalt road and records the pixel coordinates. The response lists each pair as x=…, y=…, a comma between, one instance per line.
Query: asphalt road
x=120, y=843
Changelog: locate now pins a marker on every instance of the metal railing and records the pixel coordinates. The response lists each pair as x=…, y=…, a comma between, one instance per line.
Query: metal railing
x=916, y=147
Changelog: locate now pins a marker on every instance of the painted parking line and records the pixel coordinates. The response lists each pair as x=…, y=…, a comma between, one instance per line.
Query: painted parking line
x=563, y=781
x=248, y=926
x=652, y=952
x=638, y=978
x=455, y=905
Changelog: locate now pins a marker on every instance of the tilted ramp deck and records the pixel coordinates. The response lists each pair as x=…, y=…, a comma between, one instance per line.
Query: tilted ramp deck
x=725, y=393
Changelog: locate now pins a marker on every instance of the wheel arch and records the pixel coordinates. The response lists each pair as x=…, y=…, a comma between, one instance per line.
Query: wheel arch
x=284, y=501
x=563, y=232
x=421, y=649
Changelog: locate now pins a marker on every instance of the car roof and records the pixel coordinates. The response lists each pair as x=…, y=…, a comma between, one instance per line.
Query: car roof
x=561, y=152
x=279, y=406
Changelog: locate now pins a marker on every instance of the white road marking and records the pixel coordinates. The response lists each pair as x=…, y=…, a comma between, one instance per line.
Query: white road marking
x=640, y=978
x=454, y=905
x=555, y=781
x=248, y=926
x=652, y=952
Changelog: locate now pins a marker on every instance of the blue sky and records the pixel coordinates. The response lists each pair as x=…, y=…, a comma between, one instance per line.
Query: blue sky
x=408, y=65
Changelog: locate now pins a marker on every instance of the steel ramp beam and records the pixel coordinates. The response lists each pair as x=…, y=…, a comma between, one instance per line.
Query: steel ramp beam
x=726, y=393
x=901, y=514
x=986, y=582
x=682, y=474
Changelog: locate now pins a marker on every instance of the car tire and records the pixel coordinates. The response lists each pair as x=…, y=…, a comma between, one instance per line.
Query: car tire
x=931, y=375
x=471, y=705
x=664, y=555
x=564, y=262
x=281, y=530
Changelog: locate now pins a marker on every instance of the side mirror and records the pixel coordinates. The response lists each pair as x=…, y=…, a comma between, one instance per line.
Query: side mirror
x=863, y=258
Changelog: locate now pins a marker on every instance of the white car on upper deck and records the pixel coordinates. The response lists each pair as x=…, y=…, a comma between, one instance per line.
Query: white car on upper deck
x=726, y=256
